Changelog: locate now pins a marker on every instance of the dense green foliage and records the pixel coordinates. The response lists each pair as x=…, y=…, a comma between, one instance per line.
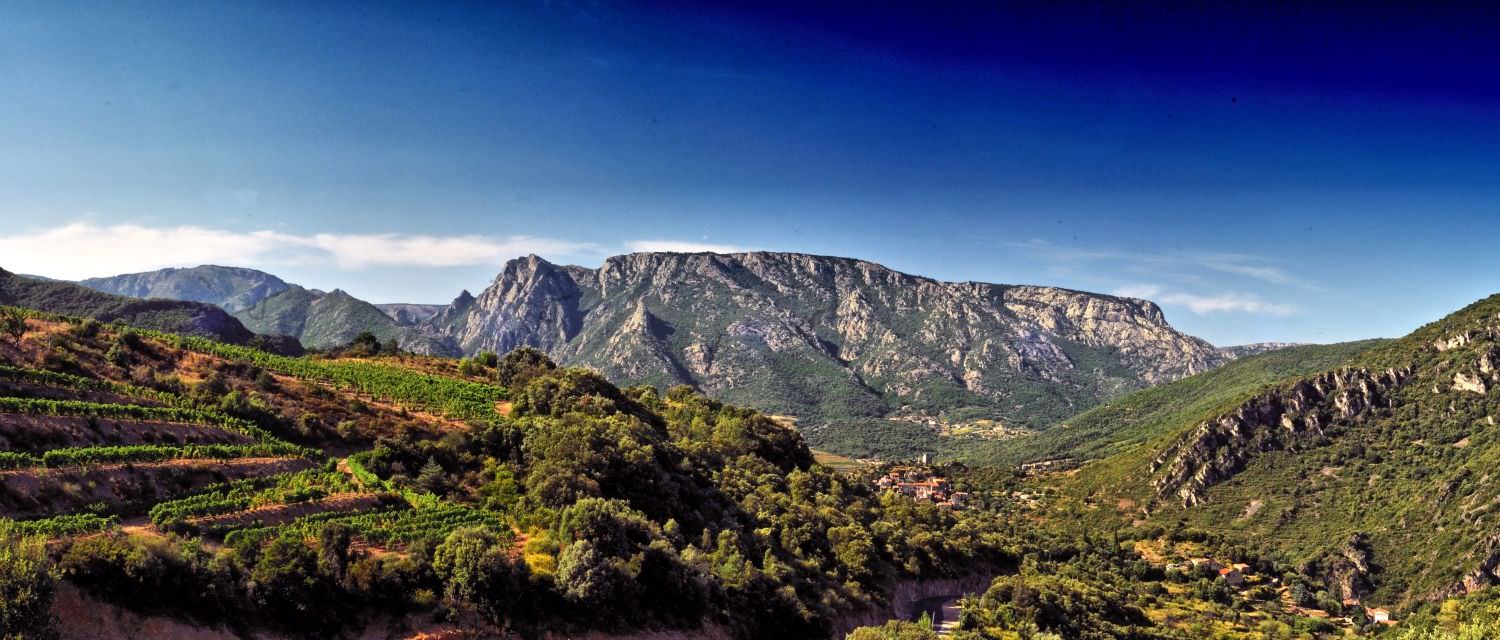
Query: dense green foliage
x=26, y=589
x=1474, y=617
x=1149, y=414
x=1390, y=498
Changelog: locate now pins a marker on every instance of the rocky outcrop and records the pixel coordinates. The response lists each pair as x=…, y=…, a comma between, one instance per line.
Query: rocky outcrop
x=1255, y=348
x=1219, y=448
x=755, y=327
x=408, y=315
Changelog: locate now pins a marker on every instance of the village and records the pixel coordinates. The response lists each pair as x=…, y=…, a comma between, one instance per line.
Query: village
x=919, y=482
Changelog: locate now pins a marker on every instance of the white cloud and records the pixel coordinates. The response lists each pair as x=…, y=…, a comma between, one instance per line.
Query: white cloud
x=1163, y=264
x=680, y=246
x=1205, y=305
x=389, y=249
x=1144, y=291
x=84, y=249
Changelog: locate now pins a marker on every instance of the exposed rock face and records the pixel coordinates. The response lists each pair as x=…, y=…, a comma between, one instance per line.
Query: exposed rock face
x=816, y=335
x=230, y=288
x=1272, y=421
x=408, y=315
x=1256, y=348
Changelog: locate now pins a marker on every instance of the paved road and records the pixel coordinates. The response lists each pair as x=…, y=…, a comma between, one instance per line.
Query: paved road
x=943, y=609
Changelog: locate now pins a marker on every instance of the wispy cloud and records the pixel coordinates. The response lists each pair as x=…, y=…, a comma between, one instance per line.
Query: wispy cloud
x=681, y=246
x=84, y=249
x=1181, y=265
x=1231, y=302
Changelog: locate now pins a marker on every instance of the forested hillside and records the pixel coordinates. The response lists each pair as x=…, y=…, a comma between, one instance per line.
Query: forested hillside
x=1374, y=475
x=1147, y=415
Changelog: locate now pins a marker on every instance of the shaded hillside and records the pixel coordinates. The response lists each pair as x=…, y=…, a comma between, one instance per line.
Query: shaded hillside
x=830, y=340
x=1376, y=475
x=326, y=320
x=192, y=318
x=232, y=289
x=1147, y=415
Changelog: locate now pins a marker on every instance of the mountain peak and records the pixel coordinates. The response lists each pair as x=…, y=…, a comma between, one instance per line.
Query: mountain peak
x=234, y=289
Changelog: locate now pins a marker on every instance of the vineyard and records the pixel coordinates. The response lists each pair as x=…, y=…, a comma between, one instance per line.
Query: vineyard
x=242, y=510
x=388, y=526
x=457, y=399
x=249, y=493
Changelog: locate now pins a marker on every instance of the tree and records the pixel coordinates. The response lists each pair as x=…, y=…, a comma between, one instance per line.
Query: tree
x=26, y=589
x=364, y=344
x=520, y=366
x=13, y=325
x=895, y=630
x=432, y=478
x=599, y=583
x=478, y=575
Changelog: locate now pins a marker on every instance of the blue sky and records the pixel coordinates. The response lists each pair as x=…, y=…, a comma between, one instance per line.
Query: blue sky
x=1298, y=175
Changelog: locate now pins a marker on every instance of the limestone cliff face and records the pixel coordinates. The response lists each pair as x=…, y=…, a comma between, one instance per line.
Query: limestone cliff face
x=794, y=333
x=1271, y=421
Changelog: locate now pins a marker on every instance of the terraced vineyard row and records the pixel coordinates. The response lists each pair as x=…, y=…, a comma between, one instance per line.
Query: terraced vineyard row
x=459, y=399
x=64, y=525
x=454, y=398
x=250, y=493
x=70, y=381
x=80, y=408
x=382, y=526
x=114, y=454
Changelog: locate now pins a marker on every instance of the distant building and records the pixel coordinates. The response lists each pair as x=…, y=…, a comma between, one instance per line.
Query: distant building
x=1379, y=616
x=1232, y=576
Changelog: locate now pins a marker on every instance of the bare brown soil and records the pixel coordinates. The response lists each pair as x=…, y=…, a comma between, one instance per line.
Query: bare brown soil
x=42, y=433
x=31, y=493
x=33, y=390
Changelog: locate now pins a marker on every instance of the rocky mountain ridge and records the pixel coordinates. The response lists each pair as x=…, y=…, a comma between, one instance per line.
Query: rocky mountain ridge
x=827, y=337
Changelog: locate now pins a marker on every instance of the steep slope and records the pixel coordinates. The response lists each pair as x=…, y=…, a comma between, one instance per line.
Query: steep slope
x=233, y=289
x=194, y=318
x=1143, y=416
x=325, y=320
x=830, y=339
x=1377, y=475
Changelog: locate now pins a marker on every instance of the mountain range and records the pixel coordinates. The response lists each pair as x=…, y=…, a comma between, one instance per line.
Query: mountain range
x=834, y=342
x=176, y=316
